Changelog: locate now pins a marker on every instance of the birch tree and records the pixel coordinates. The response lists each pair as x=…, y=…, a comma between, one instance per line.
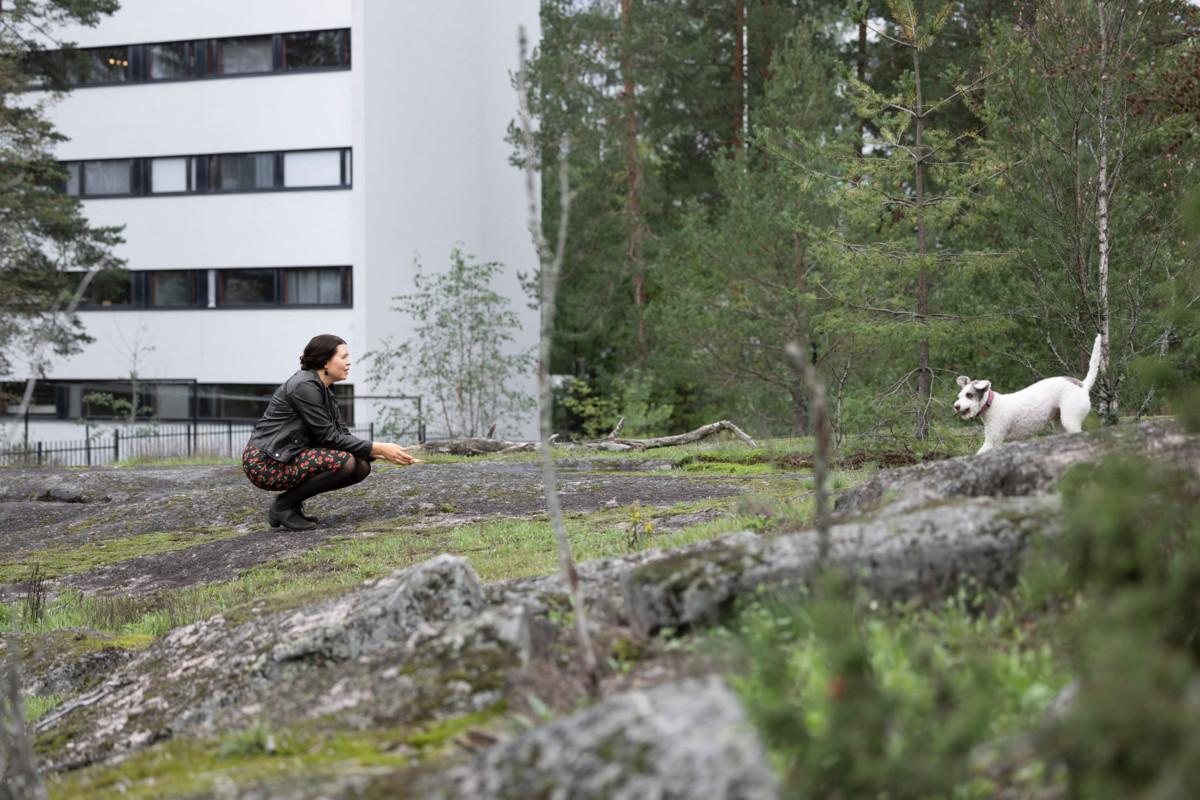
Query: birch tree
x=1093, y=181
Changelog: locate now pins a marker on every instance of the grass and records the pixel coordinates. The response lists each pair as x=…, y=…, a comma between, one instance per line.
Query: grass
x=498, y=549
x=259, y=753
x=56, y=562
x=178, y=461
x=38, y=707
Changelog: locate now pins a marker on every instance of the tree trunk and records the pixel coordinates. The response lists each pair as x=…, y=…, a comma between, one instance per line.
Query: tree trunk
x=633, y=176
x=860, y=70
x=1108, y=400
x=924, y=376
x=739, y=75
x=799, y=407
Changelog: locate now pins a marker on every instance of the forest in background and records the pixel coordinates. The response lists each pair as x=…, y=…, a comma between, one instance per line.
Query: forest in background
x=911, y=190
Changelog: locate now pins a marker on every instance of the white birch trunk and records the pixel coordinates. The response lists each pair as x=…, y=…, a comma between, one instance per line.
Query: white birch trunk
x=1108, y=402
x=550, y=265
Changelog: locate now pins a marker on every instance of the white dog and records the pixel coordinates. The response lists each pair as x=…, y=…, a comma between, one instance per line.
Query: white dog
x=1024, y=413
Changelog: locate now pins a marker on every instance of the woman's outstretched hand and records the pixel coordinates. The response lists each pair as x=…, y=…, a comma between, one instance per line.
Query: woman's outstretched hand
x=393, y=453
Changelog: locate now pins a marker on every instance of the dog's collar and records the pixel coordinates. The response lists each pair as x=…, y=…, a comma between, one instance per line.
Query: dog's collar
x=988, y=404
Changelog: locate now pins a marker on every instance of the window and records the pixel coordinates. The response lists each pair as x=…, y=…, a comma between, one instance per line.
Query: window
x=246, y=287
x=72, y=185
x=194, y=60
x=235, y=401
x=41, y=403
x=312, y=168
x=108, y=177
x=234, y=172
x=171, y=288
x=171, y=400
x=101, y=65
x=168, y=61
x=246, y=55
x=242, y=172
x=314, y=49
x=109, y=287
x=321, y=286
x=168, y=175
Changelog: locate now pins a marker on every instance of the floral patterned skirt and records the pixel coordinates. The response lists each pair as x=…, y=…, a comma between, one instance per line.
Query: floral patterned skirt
x=275, y=476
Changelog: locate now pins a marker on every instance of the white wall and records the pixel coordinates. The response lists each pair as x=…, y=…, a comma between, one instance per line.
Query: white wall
x=431, y=105
x=210, y=345
x=268, y=229
x=218, y=115
x=144, y=21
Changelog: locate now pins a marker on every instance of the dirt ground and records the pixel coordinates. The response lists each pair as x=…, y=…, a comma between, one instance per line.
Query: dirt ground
x=58, y=509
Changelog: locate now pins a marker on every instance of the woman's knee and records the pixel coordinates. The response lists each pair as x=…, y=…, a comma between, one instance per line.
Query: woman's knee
x=359, y=468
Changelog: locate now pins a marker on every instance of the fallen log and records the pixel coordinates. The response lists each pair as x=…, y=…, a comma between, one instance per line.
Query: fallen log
x=475, y=446
x=612, y=443
x=481, y=445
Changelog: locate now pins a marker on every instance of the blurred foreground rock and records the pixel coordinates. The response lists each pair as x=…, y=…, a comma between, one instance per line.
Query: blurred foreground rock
x=675, y=742
x=429, y=643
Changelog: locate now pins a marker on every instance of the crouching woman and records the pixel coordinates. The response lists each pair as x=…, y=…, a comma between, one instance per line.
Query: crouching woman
x=300, y=447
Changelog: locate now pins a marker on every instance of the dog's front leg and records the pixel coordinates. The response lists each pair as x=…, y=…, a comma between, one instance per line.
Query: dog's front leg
x=987, y=445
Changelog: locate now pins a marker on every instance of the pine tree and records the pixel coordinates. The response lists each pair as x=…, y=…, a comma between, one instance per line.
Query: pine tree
x=42, y=231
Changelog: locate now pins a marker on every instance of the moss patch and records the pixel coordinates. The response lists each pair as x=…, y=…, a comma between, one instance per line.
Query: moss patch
x=260, y=756
x=56, y=562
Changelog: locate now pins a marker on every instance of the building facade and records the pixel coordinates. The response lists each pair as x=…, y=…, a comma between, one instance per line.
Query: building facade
x=278, y=166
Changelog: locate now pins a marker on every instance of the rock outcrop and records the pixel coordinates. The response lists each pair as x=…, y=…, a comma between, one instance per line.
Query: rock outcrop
x=429, y=642
x=926, y=553
x=211, y=674
x=1018, y=469
x=679, y=740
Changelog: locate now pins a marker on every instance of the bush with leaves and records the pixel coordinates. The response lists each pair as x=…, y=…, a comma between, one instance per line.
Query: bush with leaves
x=460, y=354
x=854, y=702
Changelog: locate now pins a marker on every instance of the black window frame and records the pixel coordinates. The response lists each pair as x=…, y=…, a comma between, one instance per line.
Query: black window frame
x=195, y=64
x=135, y=178
x=148, y=176
x=345, y=282
x=198, y=280
x=142, y=290
x=280, y=288
x=203, y=173
x=224, y=274
x=53, y=69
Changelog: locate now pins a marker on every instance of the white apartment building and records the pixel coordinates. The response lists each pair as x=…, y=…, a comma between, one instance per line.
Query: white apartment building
x=277, y=166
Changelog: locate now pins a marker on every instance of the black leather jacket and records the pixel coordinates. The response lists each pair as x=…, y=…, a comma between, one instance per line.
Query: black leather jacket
x=302, y=414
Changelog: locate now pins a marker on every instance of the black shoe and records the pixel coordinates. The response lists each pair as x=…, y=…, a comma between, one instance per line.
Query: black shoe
x=289, y=519
x=300, y=511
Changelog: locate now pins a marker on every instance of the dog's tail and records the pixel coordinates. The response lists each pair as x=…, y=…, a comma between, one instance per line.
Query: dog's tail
x=1093, y=366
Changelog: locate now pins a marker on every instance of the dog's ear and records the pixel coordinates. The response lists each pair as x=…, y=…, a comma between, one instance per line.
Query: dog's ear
x=982, y=386
x=963, y=380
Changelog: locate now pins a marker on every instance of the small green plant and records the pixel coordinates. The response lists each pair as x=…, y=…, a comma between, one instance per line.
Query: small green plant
x=257, y=740
x=33, y=603
x=597, y=414
x=639, y=527
x=37, y=707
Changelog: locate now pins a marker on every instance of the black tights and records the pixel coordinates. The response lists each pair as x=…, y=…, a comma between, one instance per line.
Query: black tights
x=350, y=473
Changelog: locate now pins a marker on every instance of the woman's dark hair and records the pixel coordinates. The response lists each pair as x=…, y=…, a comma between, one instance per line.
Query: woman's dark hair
x=319, y=350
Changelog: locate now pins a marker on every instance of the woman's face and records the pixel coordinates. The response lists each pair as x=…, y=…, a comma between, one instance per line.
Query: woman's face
x=338, y=367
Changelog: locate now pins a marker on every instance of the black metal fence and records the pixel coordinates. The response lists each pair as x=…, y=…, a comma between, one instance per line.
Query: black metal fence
x=158, y=443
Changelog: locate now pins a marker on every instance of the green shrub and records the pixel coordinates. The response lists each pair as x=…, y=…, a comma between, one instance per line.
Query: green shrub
x=859, y=703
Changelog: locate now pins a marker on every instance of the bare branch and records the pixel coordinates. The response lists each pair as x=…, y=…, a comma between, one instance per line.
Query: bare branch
x=550, y=267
